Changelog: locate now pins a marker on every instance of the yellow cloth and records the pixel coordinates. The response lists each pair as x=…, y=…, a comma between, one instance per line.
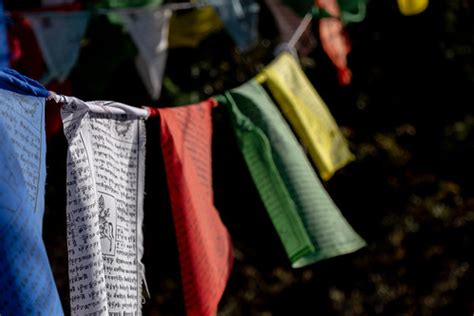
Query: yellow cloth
x=308, y=115
x=190, y=29
x=412, y=7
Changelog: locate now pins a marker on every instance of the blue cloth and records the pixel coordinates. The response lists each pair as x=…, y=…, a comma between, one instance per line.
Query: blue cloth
x=4, y=52
x=240, y=18
x=26, y=280
x=13, y=81
x=59, y=36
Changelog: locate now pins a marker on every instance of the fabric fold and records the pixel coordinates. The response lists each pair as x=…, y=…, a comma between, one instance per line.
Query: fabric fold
x=307, y=114
x=308, y=222
x=26, y=280
x=12, y=80
x=105, y=183
x=204, y=244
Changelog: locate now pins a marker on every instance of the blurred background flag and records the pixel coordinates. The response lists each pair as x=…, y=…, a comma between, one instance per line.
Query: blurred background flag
x=334, y=39
x=240, y=18
x=59, y=36
x=412, y=7
x=149, y=30
x=189, y=29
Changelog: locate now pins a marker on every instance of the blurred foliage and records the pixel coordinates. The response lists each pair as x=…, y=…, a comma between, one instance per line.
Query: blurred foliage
x=408, y=116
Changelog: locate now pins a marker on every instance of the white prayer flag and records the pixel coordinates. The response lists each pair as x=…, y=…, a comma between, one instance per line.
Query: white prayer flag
x=59, y=36
x=105, y=179
x=149, y=28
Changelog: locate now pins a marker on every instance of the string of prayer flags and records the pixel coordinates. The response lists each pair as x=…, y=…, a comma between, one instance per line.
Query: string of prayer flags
x=191, y=28
x=287, y=22
x=4, y=54
x=59, y=36
x=26, y=279
x=308, y=115
x=335, y=40
x=105, y=182
x=240, y=18
x=205, y=247
x=276, y=160
x=412, y=7
x=149, y=30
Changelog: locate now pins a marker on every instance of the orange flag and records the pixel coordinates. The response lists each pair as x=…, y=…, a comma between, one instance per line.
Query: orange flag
x=334, y=39
x=205, y=247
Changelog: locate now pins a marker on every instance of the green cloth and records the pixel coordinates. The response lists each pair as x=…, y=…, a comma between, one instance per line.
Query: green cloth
x=308, y=222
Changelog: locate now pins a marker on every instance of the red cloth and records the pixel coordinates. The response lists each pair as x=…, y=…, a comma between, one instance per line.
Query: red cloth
x=334, y=39
x=54, y=123
x=25, y=54
x=204, y=244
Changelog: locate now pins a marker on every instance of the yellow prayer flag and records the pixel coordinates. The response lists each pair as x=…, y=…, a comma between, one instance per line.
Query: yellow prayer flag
x=190, y=29
x=412, y=7
x=308, y=115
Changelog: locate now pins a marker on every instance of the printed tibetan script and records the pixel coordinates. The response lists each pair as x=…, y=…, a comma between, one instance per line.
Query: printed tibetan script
x=105, y=173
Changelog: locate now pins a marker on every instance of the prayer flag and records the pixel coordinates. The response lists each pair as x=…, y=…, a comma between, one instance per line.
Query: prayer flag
x=26, y=280
x=191, y=28
x=149, y=30
x=240, y=18
x=307, y=114
x=335, y=40
x=412, y=7
x=308, y=222
x=59, y=36
x=205, y=247
x=105, y=179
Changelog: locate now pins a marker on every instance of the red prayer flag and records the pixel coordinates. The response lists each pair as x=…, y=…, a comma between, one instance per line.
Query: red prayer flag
x=334, y=39
x=204, y=244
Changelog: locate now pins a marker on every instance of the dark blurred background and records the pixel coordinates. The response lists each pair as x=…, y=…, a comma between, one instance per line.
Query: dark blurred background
x=409, y=118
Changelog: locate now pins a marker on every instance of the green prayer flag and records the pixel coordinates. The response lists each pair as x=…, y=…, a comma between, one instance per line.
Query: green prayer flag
x=308, y=222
